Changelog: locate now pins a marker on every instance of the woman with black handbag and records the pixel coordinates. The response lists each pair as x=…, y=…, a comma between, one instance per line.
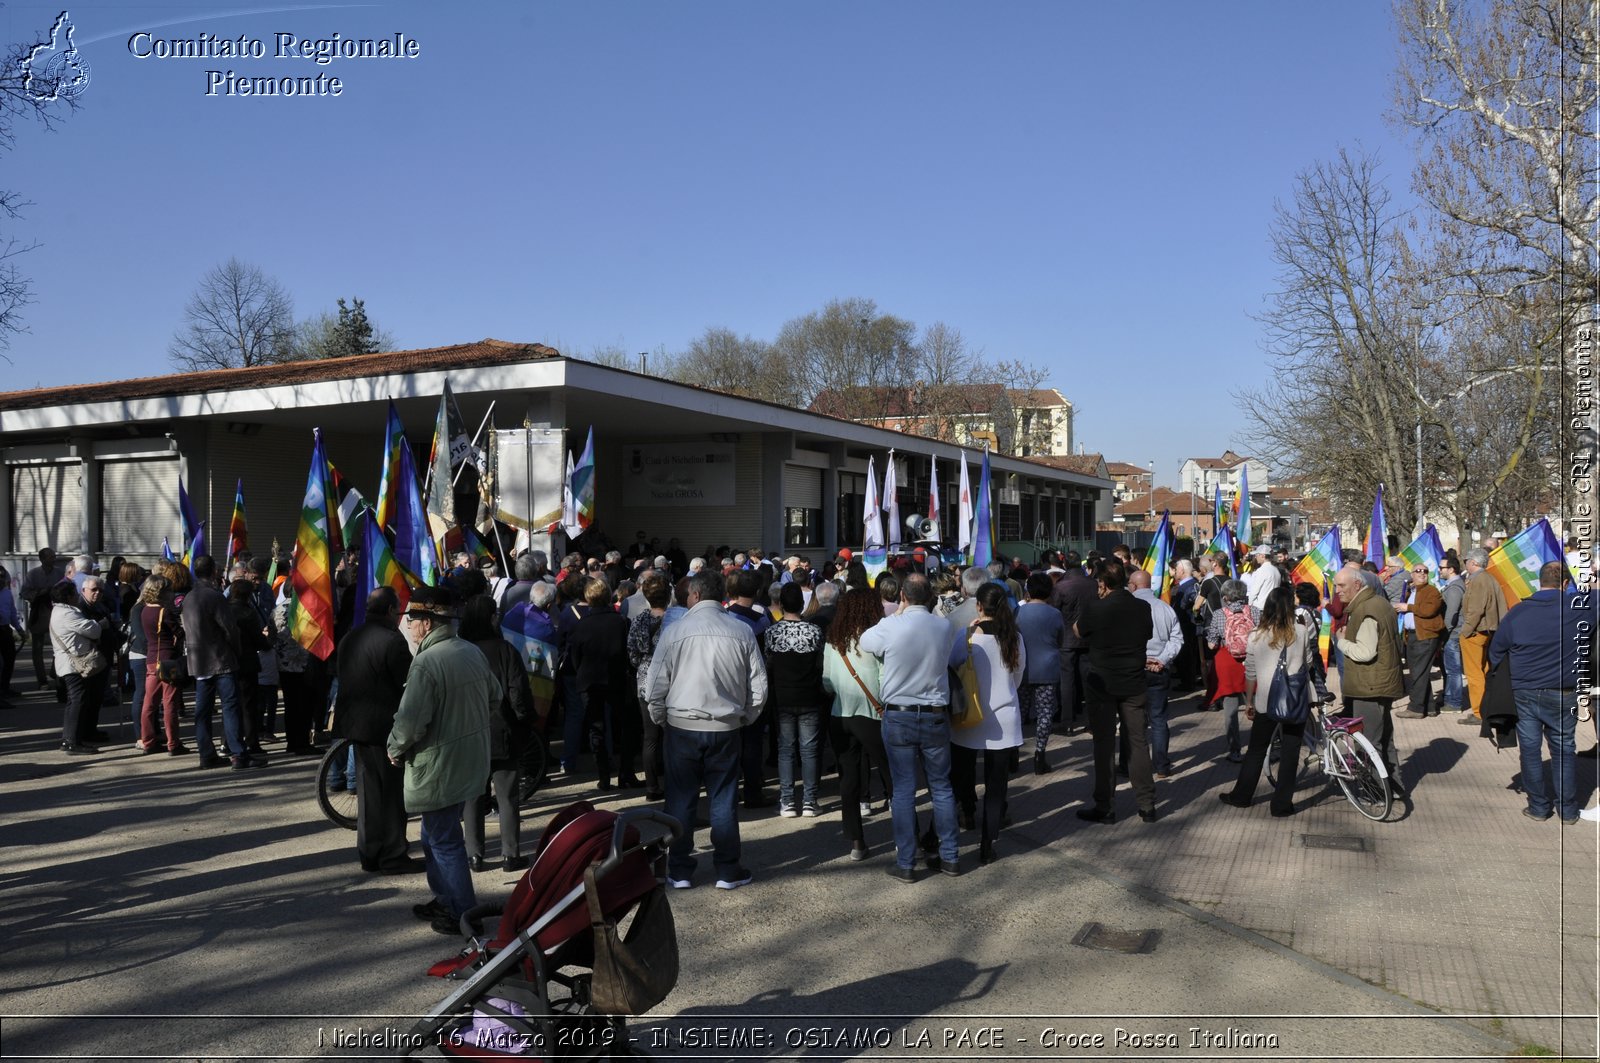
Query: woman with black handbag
x=1277, y=694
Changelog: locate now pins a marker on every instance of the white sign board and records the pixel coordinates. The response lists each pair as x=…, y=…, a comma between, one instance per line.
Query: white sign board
x=529, y=466
x=678, y=474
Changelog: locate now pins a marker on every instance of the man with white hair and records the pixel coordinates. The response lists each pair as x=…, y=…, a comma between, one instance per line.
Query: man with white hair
x=83, y=566
x=1185, y=590
x=680, y=590
x=1482, y=607
x=973, y=577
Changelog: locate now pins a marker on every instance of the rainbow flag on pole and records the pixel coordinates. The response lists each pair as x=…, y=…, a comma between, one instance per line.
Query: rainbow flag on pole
x=1157, y=559
x=1318, y=566
x=983, y=523
x=378, y=566
x=873, y=553
x=1216, y=509
x=583, y=484
x=1376, y=545
x=1516, y=563
x=1425, y=549
x=394, y=434
x=190, y=519
x=414, y=546
x=238, y=535
x=1241, y=506
x=1222, y=543
x=311, y=613
x=196, y=547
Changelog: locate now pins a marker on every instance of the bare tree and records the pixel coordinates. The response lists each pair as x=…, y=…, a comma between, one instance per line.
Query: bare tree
x=38, y=82
x=238, y=316
x=743, y=365
x=861, y=359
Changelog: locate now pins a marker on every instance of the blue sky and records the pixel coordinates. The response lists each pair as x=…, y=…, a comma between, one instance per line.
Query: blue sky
x=1087, y=187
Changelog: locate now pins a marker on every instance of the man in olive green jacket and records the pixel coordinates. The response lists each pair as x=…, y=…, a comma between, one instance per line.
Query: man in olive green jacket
x=441, y=735
x=1372, y=655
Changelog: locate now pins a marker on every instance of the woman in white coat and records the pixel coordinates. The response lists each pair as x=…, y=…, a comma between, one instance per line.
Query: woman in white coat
x=1001, y=661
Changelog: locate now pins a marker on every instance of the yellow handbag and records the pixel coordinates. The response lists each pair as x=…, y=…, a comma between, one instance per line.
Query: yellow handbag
x=966, y=708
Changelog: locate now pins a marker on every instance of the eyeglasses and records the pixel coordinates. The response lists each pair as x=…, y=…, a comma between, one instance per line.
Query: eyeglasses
x=1422, y=570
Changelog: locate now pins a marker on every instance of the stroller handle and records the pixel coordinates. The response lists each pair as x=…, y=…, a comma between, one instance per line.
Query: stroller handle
x=672, y=830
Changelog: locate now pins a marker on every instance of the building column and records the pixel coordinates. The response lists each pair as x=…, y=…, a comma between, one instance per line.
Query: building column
x=776, y=449
x=830, y=498
x=89, y=481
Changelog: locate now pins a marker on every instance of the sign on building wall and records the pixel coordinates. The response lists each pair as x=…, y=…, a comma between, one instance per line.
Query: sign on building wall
x=678, y=474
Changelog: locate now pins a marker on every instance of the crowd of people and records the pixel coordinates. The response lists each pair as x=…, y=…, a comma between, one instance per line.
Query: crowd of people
x=679, y=676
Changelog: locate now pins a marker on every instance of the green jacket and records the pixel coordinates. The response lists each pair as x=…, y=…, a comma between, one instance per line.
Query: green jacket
x=441, y=730
x=1381, y=676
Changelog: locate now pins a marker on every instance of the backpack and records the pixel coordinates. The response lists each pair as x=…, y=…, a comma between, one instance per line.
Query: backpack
x=1236, y=632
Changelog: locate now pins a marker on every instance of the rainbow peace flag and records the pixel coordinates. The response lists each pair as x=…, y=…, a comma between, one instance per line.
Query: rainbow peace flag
x=166, y=550
x=1375, y=546
x=238, y=535
x=1515, y=564
x=311, y=613
x=196, y=547
x=1325, y=636
x=1241, y=506
x=1425, y=549
x=414, y=546
x=191, y=521
x=1157, y=559
x=378, y=566
x=1222, y=543
x=983, y=523
x=583, y=484
x=1325, y=558
x=394, y=434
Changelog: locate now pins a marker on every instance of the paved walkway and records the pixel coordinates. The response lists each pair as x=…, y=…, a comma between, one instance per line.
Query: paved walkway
x=152, y=910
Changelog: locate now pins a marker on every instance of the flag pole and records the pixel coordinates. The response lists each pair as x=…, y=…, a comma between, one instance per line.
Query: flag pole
x=475, y=437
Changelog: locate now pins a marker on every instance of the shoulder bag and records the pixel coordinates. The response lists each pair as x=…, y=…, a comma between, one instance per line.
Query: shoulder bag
x=877, y=706
x=966, y=706
x=633, y=972
x=169, y=672
x=1289, y=696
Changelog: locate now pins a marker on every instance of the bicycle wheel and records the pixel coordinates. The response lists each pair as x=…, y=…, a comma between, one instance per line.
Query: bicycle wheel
x=337, y=803
x=535, y=768
x=1365, y=787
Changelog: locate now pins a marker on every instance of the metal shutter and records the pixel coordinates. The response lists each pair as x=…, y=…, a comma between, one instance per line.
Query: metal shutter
x=139, y=505
x=47, y=507
x=802, y=487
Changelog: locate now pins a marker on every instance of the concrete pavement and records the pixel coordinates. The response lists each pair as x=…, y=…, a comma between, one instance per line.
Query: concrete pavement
x=153, y=910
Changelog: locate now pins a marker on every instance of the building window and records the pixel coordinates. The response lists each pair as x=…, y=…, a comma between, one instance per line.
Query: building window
x=802, y=527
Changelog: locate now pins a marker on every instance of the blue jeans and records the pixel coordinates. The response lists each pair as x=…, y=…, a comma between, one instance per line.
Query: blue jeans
x=445, y=851
x=1454, y=683
x=1233, y=708
x=136, y=670
x=1158, y=687
x=206, y=691
x=907, y=738
x=1548, y=715
x=710, y=759
x=342, y=776
x=808, y=727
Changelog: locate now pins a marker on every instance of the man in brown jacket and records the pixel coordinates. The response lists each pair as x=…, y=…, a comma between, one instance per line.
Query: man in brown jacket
x=1481, y=610
x=1371, y=648
x=1424, y=628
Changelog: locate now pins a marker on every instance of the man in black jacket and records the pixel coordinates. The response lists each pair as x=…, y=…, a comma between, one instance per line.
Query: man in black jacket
x=211, y=638
x=373, y=663
x=1070, y=594
x=1116, y=628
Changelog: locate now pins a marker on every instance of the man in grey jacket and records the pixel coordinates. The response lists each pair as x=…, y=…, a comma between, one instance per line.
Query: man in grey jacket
x=706, y=681
x=211, y=639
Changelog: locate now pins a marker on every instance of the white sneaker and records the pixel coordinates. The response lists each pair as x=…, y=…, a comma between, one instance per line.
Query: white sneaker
x=866, y=808
x=740, y=877
x=680, y=883
x=787, y=811
x=810, y=812
x=1591, y=815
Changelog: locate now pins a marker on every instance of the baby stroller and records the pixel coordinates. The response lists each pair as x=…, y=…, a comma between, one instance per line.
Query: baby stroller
x=535, y=991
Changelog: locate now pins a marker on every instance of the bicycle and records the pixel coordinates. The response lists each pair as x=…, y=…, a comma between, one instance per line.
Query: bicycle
x=1336, y=747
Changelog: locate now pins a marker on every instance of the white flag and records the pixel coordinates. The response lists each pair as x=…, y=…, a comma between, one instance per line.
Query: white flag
x=933, y=494
x=964, y=514
x=891, y=500
x=872, y=516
